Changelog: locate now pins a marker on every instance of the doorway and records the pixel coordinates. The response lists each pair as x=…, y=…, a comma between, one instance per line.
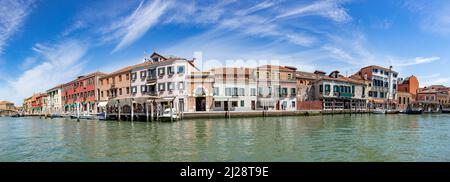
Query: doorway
x=200, y=104
x=225, y=105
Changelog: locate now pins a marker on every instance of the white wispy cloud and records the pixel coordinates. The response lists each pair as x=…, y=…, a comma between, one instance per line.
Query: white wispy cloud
x=61, y=63
x=431, y=16
x=138, y=23
x=12, y=16
x=331, y=9
x=415, y=61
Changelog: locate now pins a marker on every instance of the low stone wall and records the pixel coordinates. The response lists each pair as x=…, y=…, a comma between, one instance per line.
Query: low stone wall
x=309, y=105
x=240, y=114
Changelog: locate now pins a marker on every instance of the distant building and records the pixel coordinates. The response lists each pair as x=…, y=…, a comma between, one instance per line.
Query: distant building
x=81, y=94
x=54, y=100
x=407, y=91
x=7, y=108
x=340, y=93
x=305, y=100
x=234, y=89
x=276, y=87
x=200, y=91
x=382, y=85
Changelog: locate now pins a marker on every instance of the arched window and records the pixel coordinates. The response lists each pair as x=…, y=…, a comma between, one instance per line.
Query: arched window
x=200, y=92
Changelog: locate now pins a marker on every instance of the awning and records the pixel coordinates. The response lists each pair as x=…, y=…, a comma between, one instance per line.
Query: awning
x=165, y=99
x=266, y=102
x=377, y=101
x=154, y=83
x=102, y=104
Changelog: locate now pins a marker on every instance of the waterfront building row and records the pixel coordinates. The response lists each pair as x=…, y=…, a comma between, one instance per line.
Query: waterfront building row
x=164, y=82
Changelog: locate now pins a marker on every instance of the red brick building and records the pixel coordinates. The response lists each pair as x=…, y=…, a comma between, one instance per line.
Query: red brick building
x=81, y=93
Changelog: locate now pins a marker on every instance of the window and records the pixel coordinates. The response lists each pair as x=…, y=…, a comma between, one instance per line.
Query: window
x=180, y=85
x=161, y=86
x=217, y=104
x=235, y=91
x=143, y=88
x=327, y=88
x=120, y=91
x=127, y=76
x=241, y=92
x=290, y=76
x=152, y=73
x=133, y=76
x=133, y=89
x=293, y=104
x=101, y=93
x=353, y=89
x=234, y=104
x=242, y=103
x=170, y=86
x=161, y=71
x=268, y=75
x=216, y=91
x=170, y=70
x=386, y=84
x=180, y=70
x=375, y=70
x=381, y=94
x=284, y=91
x=120, y=78
x=293, y=91
x=395, y=75
x=143, y=74
x=394, y=86
x=227, y=91
x=253, y=92
x=381, y=71
x=107, y=81
x=257, y=74
x=128, y=90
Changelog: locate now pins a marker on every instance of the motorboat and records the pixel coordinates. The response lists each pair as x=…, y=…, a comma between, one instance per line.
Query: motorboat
x=379, y=111
x=414, y=110
x=392, y=111
x=169, y=115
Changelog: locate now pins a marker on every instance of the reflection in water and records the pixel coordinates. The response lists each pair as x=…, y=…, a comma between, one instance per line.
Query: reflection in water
x=313, y=138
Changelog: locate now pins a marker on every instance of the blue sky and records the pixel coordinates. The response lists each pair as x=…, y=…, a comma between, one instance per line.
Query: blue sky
x=47, y=42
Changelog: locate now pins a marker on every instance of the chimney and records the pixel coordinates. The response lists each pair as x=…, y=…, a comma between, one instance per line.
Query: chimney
x=334, y=74
x=320, y=73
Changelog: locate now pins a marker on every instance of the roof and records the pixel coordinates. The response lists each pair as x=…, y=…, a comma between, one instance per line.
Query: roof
x=97, y=73
x=276, y=67
x=56, y=87
x=343, y=79
x=232, y=70
x=3, y=102
x=307, y=75
x=379, y=67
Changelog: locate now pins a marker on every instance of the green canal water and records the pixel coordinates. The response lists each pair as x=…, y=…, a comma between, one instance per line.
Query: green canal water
x=314, y=138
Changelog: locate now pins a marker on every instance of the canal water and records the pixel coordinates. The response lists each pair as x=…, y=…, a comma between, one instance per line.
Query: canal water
x=307, y=138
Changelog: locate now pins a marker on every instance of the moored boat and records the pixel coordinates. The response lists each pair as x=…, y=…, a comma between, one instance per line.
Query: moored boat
x=379, y=111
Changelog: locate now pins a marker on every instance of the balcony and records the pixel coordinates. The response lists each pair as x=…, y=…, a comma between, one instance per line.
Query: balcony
x=345, y=95
x=152, y=93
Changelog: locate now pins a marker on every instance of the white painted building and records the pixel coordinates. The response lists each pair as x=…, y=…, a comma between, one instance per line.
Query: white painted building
x=54, y=100
x=234, y=89
x=382, y=86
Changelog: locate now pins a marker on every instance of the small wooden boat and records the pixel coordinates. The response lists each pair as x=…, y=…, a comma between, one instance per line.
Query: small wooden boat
x=445, y=110
x=379, y=111
x=389, y=111
x=414, y=111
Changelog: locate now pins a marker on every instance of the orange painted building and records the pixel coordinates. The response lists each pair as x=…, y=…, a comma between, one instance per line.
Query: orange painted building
x=409, y=84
